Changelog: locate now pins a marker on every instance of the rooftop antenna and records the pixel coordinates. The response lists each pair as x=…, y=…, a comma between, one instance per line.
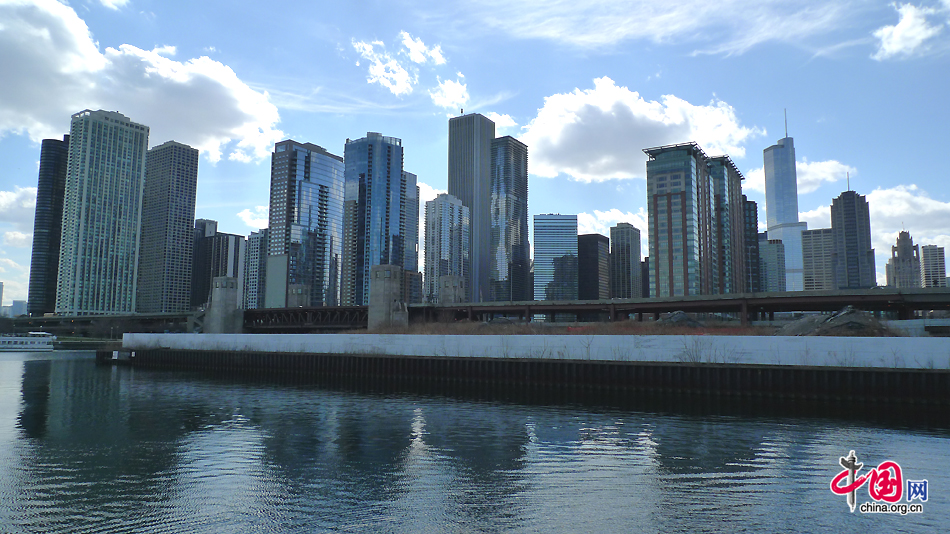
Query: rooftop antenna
x=849, y=180
x=786, y=122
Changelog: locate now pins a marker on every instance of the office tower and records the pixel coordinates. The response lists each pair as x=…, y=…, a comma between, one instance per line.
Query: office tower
x=1, y=293
x=817, y=259
x=933, y=266
x=509, y=248
x=645, y=278
x=412, y=222
x=555, y=257
x=47, y=226
x=750, y=246
x=781, y=208
x=730, y=231
x=215, y=254
x=375, y=212
x=102, y=215
x=625, y=269
x=903, y=267
x=853, y=256
x=448, y=227
x=469, y=177
x=593, y=267
x=305, y=222
x=168, y=212
x=682, y=226
x=255, y=270
x=771, y=264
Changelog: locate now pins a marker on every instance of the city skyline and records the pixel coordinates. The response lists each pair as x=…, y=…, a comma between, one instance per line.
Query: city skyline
x=842, y=77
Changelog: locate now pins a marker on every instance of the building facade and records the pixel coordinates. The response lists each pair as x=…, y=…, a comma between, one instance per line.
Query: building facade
x=447, y=235
x=47, y=226
x=102, y=215
x=933, y=266
x=555, y=257
x=168, y=213
x=750, y=246
x=771, y=264
x=215, y=254
x=375, y=212
x=469, y=180
x=509, y=246
x=680, y=207
x=255, y=270
x=729, y=225
x=625, y=269
x=853, y=256
x=903, y=267
x=305, y=223
x=593, y=267
x=817, y=259
x=781, y=208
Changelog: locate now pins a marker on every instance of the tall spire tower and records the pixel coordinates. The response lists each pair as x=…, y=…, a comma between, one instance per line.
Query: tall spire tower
x=781, y=207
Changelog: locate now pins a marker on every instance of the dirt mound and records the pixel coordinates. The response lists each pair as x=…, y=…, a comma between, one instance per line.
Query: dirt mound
x=845, y=322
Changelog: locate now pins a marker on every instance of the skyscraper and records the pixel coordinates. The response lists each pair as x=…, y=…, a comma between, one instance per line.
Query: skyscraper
x=47, y=226
x=375, y=212
x=305, y=226
x=447, y=243
x=593, y=267
x=730, y=231
x=750, y=247
x=555, y=257
x=168, y=212
x=469, y=180
x=853, y=256
x=781, y=208
x=682, y=225
x=933, y=266
x=102, y=215
x=509, y=248
x=412, y=222
x=215, y=254
x=818, y=259
x=255, y=270
x=771, y=264
x=903, y=267
x=625, y=269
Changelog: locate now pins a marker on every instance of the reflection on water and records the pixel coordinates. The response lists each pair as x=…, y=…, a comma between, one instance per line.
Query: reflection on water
x=93, y=449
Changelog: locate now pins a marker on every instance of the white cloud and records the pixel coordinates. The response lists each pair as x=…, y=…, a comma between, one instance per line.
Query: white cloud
x=727, y=26
x=418, y=52
x=17, y=206
x=599, y=134
x=17, y=239
x=908, y=36
x=600, y=222
x=53, y=68
x=819, y=217
x=450, y=94
x=384, y=69
x=811, y=174
x=255, y=219
x=114, y=4
x=503, y=123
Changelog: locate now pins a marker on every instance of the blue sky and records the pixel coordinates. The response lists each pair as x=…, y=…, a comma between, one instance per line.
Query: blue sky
x=587, y=85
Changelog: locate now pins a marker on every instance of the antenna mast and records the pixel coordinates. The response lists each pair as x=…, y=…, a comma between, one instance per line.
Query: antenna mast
x=849, y=180
x=786, y=122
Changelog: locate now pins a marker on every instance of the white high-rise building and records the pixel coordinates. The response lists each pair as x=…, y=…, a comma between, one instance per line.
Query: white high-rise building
x=102, y=215
x=933, y=266
x=447, y=243
x=781, y=209
x=255, y=269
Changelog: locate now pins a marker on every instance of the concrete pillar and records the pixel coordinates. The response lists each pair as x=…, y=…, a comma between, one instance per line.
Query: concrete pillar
x=387, y=307
x=224, y=315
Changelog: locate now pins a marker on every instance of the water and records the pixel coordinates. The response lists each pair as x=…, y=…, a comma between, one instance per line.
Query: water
x=100, y=449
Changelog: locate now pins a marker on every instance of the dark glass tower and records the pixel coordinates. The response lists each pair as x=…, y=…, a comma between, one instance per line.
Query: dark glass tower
x=853, y=255
x=47, y=226
x=509, y=248
x=593, y=267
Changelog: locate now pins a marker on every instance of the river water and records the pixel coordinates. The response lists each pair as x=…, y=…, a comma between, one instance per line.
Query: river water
x=101, y=449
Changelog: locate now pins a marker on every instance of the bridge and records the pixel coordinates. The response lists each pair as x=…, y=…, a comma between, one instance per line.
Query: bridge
x=746, y=306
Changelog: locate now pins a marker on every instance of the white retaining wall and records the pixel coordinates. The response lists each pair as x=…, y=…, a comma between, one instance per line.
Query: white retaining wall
x=899, y=352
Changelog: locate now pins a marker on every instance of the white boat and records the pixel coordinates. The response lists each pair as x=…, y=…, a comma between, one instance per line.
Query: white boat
x=31, y=342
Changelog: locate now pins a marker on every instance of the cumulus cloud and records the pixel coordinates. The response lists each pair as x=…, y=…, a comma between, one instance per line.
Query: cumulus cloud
x=17, y=239
x=450, y=93
x=418, y=52
x=53, y=68
x=17, y=206
x=599, y=134
x=256, y=218
x=909, y=35
x=600, y=222
x=503, y=123
x=384, y=69
x=811, y=175
x=728, y=26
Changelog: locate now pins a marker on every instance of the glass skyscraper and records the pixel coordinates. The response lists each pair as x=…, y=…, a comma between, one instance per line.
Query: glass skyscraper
x=377, y=209
x=47, y=226
x=447, y=243
x=509, y=248
x=555, y=257
x=781, y=208
x=625, y=267
x=853, y=256
x=305, y=226
x=729, y=225
x=102, y=215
